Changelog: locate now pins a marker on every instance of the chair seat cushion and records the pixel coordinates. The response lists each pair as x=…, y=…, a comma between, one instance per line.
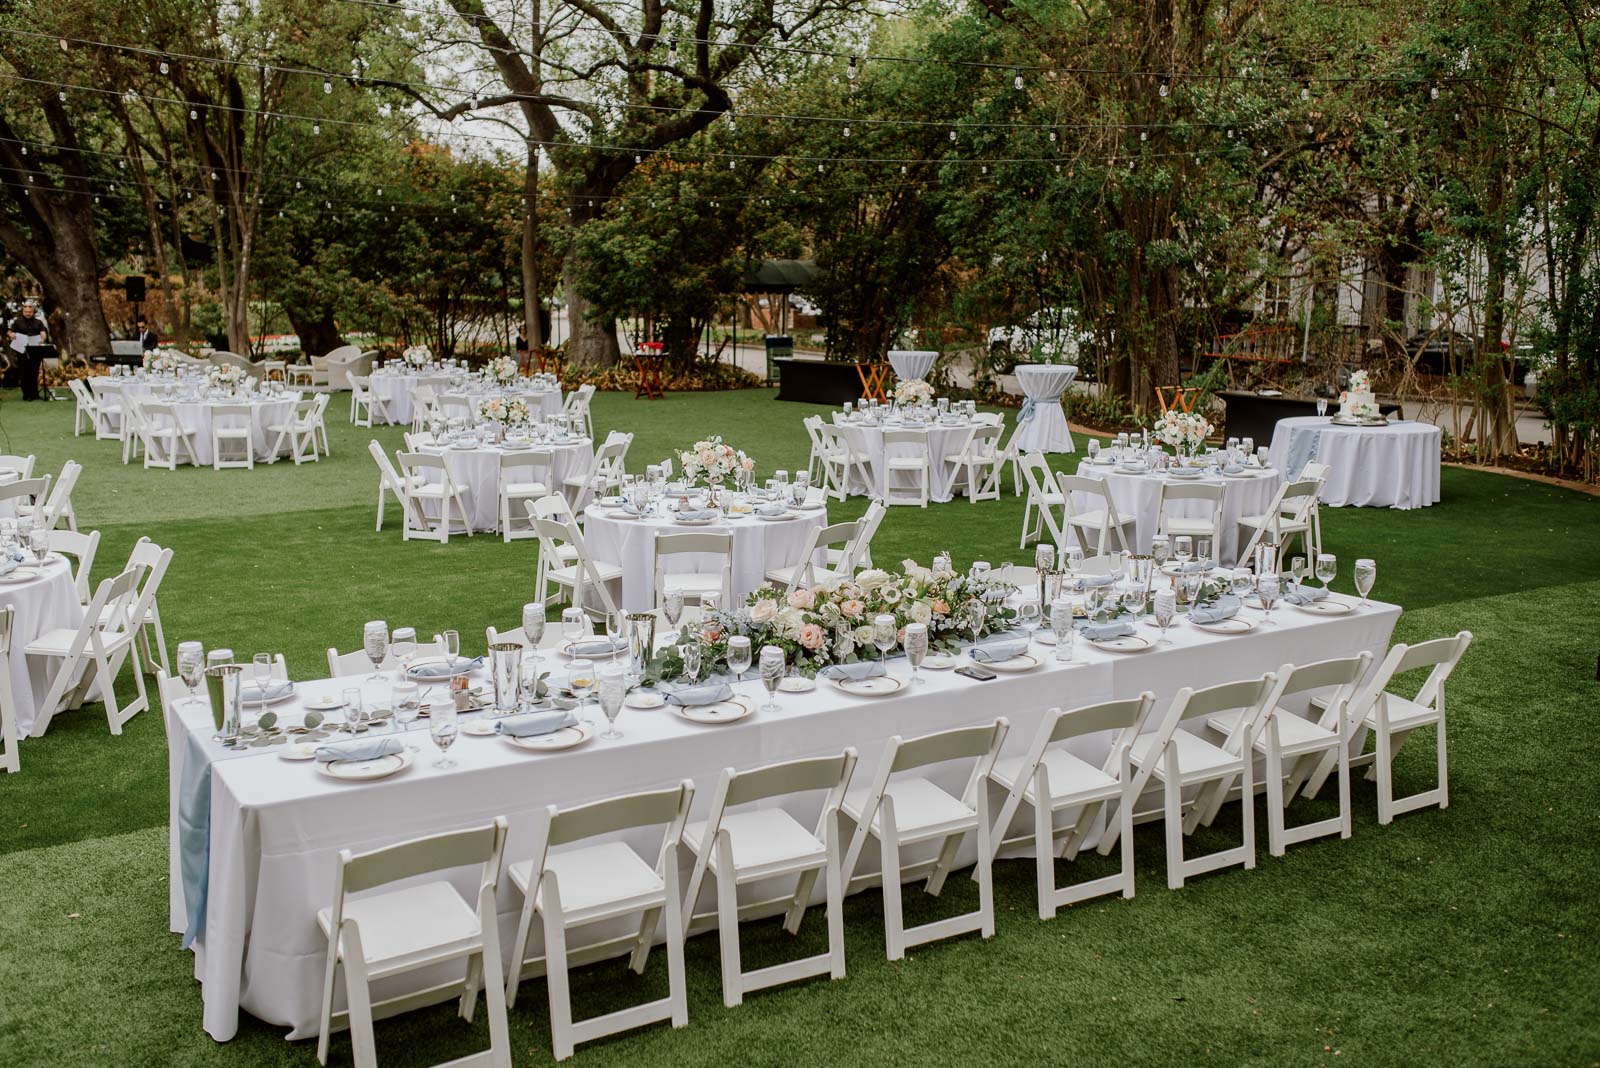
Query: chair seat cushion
x=692, y=583
x=1197, y=758
x=1069, y=776
x=609, y=878
x=524, y=489
x=1295, y=733
x=1284, y=525
x=1096, y=519
x=1403, y=714
x=1178, y=525
x=766, y=841
x=921, y=809
x=568, y=574
x=414, y=921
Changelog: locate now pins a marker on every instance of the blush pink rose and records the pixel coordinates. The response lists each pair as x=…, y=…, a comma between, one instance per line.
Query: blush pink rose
x=852, y=609
x=763, y=610
x=810, y=635
x=802, y=598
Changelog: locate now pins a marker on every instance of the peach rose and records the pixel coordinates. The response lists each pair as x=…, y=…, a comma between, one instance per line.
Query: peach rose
x=852, y=609
x=800, y=597
x=810, y=635
x=940, y=607
x=763, y=610
x=748, y=464
x=711, y=633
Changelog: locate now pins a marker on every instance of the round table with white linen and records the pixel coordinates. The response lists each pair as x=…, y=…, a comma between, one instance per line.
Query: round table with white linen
x=1138, y=497
x=1395, y=465
x=759, y=545
x=394, y=388
x=195, y=417
x=45, y=602
x=1042, y=424
x=477, y=472
x=944, y=439
x=911, y=365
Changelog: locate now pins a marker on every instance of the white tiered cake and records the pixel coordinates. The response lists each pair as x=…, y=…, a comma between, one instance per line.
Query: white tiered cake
x=1357, y=401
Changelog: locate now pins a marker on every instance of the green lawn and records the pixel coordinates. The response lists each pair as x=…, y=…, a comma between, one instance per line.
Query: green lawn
x=1467, y=936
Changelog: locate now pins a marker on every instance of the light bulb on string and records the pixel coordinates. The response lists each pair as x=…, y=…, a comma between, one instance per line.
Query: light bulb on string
x=732, y=163
x=24, y=150
x=847, y=131
x=1163, y=90
x=1144, y=135
x=672, y=50
x=850, y=72
x=327, y=86
x=213, y=176
x=1052, y=137
x=316, y=128
x=1433, y=92
x=384, y=109
x=819, y=168
x=1305, y=91
x=193, y=115
x=1550, y=91
x=165, y=68
x=902, y=168
x=952, y=135
x=61, y=94
x=1016, y=79
x=985, y=168
x=297, y=184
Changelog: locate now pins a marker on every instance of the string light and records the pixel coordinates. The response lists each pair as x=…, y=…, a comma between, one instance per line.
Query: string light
x=1305, y=91
x=1163, y=90
x=847, y=131
x=1016, y=79
x=327, y=86
x=850, y=72
x=672, y=50
x=164, y=68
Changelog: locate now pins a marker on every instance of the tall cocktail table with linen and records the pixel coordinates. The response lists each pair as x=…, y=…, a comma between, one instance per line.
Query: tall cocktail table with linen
x=477, y=469
x=1042, y=425
x=759, y=545
x=912, y=364
x=44, y=599
x=276, y=827
x=1138, y=497
x=943, y=439
x=1395, y=465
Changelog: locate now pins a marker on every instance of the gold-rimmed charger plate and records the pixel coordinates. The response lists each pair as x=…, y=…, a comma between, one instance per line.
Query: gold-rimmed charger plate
x=1325, y=607
x=366, y=770
x=730, y=711
x=1127, y=643
x=566, y=738
x=1016, y=665
x=881, y=686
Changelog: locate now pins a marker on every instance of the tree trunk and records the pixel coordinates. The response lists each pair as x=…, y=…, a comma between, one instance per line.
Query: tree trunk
x=530, y=253
x=319, y=334
x=593, y=339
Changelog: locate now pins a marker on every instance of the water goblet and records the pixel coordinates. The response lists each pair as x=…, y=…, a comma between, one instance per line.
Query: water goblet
x=738, y=657
x=1327, y=568
x=616, y=628
x=613, y=687
x=191, y=662
x=261, y=674
x=689, y=653
x=1366, y=575
x=1161, y=549
x=884, y=634
x=916, y=643
x=452, y=645
x=350, y=703
x=1267, y=588
x=1029, y=616
x=672, y=608
x=1183, y=549
x=1165, y=605
x=580, y=680
x=375, y=640
x=1074, y=559
x=403, y=646
x=1297, y=568
x=975, y=617
x=407, y=701
x=443, y=730
x=772, y=669
x=574, y=624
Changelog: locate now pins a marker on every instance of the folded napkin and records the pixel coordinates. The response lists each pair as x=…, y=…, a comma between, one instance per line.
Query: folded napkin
x=998, y=647
x=8, y=565
x=704, y=693
x=1224, y=607
x=629, y=508
x=592, y=647
x=1300, y=593
x=530, y=724
x=444, y=671
x=699, y=513
x=359, y=749
x=1193, y=567
x=1233, y=469
x=1093, y=581
x=866, y=669
x=1097, y=632
x=252, y=691
x=776, y=508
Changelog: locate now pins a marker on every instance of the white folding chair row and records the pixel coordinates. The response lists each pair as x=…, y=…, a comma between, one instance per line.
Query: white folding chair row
x=424, y=407
x=82, y=548
x=232, y=436
x=607, y=468
x=163, y=435
x=105, y=639
x=696, y=585
x=551, y=506
x=152, y=561
x=577, y=403
x=104, y=420
x=977, y=464
x=842, y=462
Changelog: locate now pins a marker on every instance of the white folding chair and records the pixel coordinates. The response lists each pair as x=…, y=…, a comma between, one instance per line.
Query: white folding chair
x=357, y=662
x=978, y=464
x=577, y=403
x=842, y=462
x=814, y=468
x=1180, y=760
x=757, y=844
x=859, y=553
x=20, y=466
x=607, y=467
x=1293, y=746
x=417, y=926
x=1065, y=782
x=905, y=453
x=271, y=368
x=523, y=478
x=392, y=483
x=1290, y=514
x=552, y=506
x=152, y=561
x=87, y=408
x=1391, y=719
x=457, y=406
x=163, y=436
x=105, y=639
x=424, y=407
x=806, y=572
x=130, y=429
x=366, y=406
x=232, y=432
x=10, y=758
x=696, y=585
x=81, y=547
x=583, y=575
x=592, y=884
x=318, y=418
x=25, y=495
x=299, y=429
x=428, y=479
x=58, y=504
x=909, y=809
x=1177, y=525
x=1044, y=499
x=1098, y=529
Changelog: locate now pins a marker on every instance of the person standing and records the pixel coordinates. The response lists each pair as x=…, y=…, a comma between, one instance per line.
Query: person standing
x=522, y=349
x=30, y=329
x=147, y=337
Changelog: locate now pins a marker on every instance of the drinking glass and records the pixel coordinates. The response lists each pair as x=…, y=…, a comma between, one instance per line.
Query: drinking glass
x=1322, y=407
x=1074, y=558
x=1183, y=548
x=976, y=616
x=1243, y=582
x=191, y=662
x=916, y=649
x=261, y=674
x=978, y=570
x=442, y=729
x=580, y=680
x=452, y=645
x=1202, y=549
x=403, y=644
x=375, y=640
x=1267, y=589
x=616, y=628
x=1166, y=606
x=1366, y=575
x=1327, y=568
x=1029, y=616
x=1160, y=550
x=354, y=715
x=574, y=624
x=1061, y=626
x=689, y=652
x=1297, y=568
x=407, y=702
x=884, y=634
x=772, y=668
x=528, y=681
x=613, y=687
x=738, y=657
x=1094, y=449
x=1044, y=560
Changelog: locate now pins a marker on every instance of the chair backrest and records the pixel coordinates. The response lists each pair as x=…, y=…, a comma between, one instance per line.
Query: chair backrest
x=483, y=845
x=1036, y=474
x=111, y=608
x=552, y=506
x=157, y=415
x=1191, y=491
x=1440, y=654
x=21, y=465
x=386, y=470
x=870, y=521
x=1092, y=487
x=34, y=490
x=343, y=352
x=152, y=560
x=426, y=463
x=984, y=442
x=1298, y=497
x=526, y=460
x=82, y=547
x=1314, y=471
x=844, y=535
x=360, y=383
x=552, y=534
x=1251, y=695
x=980, y=741
x=917, y=439
x=813, y=425
x=81, y=392
x=651, y=808
x=226, y=416
x=60, y=500
x=734, y=788
x=694, y=542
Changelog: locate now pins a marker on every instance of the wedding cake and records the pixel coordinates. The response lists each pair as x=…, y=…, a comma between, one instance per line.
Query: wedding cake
x=1357, y=401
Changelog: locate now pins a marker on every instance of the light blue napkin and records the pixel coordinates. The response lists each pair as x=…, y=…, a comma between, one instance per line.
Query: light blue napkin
x=998, y=647
x=444, y=671
x=1224, y=607
x=1097, y=632
x=1300, y=593
x=8, y=565
x=601, y=646
x=705, y=693
x=775, y=508
x=1193, y=567
x=359, y=749
x=1233, y=469
x=530, y=724
x=866, y=669
x=251, y=691
x=1094, y=581
x=698, y=513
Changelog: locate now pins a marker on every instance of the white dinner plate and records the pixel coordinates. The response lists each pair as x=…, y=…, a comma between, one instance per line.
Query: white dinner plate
x=299, y=751
x=565, y=738
x=1325, y=607
x=21, y=574
x=1016, y=665
x=797, y=684
x=1184, y=472
x=461, y=666
x=1044, y=636
x=323, y=704
x=1128, y=643
x=644, y=699
x=882, y=686
x=1246, y=473
x=367, y=770
x=1232, y=625
x=939, y=662
x=478, y=728
x=813, y=507
x=721, y=712
x=619, y=514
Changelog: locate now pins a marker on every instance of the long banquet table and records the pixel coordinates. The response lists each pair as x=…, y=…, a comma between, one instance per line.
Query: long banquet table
x=276, y=827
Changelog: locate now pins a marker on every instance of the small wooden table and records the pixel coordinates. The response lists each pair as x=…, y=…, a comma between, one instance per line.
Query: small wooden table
x=648, y=360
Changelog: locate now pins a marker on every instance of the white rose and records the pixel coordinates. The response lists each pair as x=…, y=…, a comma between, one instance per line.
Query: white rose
x=871, y=579
x=920, y=612
x=763, y=611
x=863, y=634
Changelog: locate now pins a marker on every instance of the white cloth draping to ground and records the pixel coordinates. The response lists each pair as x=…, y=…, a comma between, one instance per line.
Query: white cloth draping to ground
x=758, y=546
x=912, y=364
x=395, y=390
x=277, y=827
x=41, y=604
x=195, y=417
x=943, y=440
x=477, y=471
x=1391, y=466
x=1138, y=497
x=1042, y=424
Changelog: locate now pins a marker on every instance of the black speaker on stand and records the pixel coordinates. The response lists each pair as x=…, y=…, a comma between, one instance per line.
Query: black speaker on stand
x=133, y=286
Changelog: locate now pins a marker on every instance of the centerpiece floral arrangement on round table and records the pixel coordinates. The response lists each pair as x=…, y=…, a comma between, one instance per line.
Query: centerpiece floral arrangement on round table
x=502, y=370
x=714, y=462
x=819, y=625
x=160, y=363
x=1183, y=430
x=417, y=356
x=913, y=393
x=500, y=410
x=227, y=378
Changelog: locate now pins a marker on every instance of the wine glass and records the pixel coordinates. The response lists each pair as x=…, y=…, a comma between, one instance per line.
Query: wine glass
x=1322, y=407
x=1243, y=582
x=403, y=644
x=772, y=668
x=672, y=608
x=1074, y=559
x=616, y=628
x=375, y=640
x=261, y=674
x=1094, y=450
x=1061, y=626
x=442, y=729
x=613, y=687
x=354, y=716
x=689, y=652
x=885, y=635
x=975, y=617
x=1327, y=568
x=1165, y=607
x=1267, y=589
x=191, y=662
x=1160, y=550
x=916, y=649
x=1297, y=568
x=1366, y=575
x=738, y=657
x=407, y=702
x=452, y=646
x=580, y=680
x=1029, y=616
x=1183, y=549
x=574, y=624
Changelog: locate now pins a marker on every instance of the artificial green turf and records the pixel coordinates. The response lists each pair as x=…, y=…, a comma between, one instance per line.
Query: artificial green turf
x=1455, y=937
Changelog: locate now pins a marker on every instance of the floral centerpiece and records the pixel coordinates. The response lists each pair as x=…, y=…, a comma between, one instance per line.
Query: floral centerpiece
x=1046, y=351
x=914, y=393
x=517, y=413
x=502, y=370
x=493, y=410
x=1183, y=430
x=226, y=377
x=825, y=624
x=713, y=461
x=160, y=363
x=417, y=356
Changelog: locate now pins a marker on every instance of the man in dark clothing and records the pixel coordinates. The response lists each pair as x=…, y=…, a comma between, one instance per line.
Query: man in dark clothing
x=147, y=336
x=31, y=329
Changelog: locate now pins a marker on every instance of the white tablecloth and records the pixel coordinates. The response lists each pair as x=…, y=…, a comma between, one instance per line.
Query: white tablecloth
x=912, y=364
x=477, y=471
x=276, y=827
x=41, y=604
x=395, y=389
x=1042, y=425
x=758, y=546
x=1139, y=497
x=942, y=441
x=1391, y=466
x=195, y=417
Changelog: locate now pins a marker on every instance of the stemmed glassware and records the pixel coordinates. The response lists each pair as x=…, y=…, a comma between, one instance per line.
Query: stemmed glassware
x=533, y=627
x=1366, y=575
x=1160, y=550
x=452, y=646
x=689, y=652
x=1061, y=626
x=738, y=657
x=916, y=650
x=574, y=624
x=1243, y=582
x=1166, y=606
x=580, y=680
x=375, y=640
x=191, y=662
x=1322, y=407
x=407, y=706
x=442, y=728
x=1327, y=568
x=403, y=644
x=1044, y=562
x=672, y=608
x=354, y=716
x=975, y=618
x=772, y=669
x=1028, y=615
x=261, y=674
x=884, y=635
x=1267, y=589
x=1183, y=549
x=613, y=687
x=1297, y=568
